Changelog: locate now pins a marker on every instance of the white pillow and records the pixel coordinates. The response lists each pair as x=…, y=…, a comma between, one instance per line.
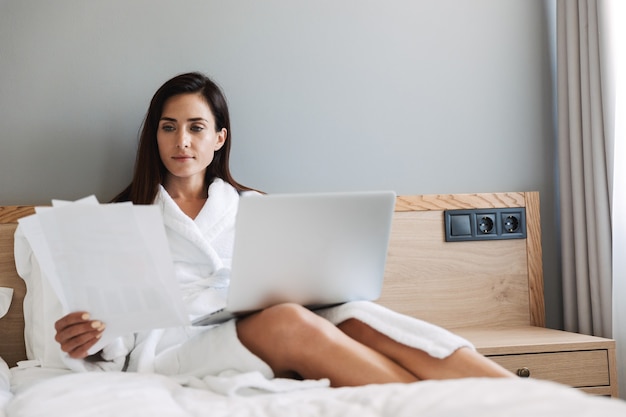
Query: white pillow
x=41, y=308
x=4, y=376
x=5, y=390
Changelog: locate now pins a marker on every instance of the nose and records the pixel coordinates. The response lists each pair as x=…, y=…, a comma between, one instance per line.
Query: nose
x=182, y=139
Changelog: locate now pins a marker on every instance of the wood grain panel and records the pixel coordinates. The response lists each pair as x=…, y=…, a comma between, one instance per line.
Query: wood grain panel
x=459, y=201
x=10, y=214
x=455, y=284
x=535, y=260
x=12, y=348
x=584, y=368
x=530, y=339
x=12, y=324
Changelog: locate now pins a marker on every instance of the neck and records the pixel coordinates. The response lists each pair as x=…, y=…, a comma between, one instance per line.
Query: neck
x=186, y=190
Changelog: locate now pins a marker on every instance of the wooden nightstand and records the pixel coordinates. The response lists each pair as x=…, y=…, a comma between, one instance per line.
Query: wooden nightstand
x=584, y=362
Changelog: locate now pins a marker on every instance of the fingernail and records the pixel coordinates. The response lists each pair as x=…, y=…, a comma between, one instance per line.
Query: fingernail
x=85, y=316
x=97, y=324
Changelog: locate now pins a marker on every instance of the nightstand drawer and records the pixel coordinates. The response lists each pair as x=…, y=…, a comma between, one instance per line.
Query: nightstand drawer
x=585, y=368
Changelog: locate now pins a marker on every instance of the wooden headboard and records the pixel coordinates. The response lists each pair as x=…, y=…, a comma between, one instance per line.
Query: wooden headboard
x=491, y=283
x=455, y=285
x=12, y=325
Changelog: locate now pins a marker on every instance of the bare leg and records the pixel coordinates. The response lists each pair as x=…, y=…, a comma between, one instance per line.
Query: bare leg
x=291, y=339
x=464, y=362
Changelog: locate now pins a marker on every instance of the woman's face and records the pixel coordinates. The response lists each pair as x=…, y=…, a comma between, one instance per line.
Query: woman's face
x=186, y=136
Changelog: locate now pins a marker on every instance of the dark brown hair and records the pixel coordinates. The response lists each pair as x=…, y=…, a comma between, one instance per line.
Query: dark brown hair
x=149, y=170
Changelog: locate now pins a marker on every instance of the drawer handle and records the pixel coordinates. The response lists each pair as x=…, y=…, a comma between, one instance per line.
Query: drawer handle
x=523, y=372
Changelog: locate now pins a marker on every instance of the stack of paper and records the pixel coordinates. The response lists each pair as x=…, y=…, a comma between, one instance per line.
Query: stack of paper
x=111, y=260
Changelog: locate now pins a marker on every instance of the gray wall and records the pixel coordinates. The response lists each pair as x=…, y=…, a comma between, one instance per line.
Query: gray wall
x=418, y=96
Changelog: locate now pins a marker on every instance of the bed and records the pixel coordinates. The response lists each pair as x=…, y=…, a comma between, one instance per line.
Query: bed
x=489, y=291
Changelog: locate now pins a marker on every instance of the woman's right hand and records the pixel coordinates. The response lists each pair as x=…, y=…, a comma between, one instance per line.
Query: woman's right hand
x=77, y=333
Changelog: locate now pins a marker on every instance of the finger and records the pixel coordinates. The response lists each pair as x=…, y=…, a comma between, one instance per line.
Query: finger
x=77, y=339
x=71, y=319
x=79, y=346
x=73, y=331
x=76, y=333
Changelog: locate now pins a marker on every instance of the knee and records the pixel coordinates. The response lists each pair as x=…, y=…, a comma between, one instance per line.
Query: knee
x=291, y=320
x=299, y=329
x=287, y=336
x=288, y=326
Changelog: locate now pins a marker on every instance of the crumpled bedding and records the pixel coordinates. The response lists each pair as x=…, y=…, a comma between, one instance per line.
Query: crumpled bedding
x=132, y=394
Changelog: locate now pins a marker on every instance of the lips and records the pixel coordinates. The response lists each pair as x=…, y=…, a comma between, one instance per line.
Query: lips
x=182, y=157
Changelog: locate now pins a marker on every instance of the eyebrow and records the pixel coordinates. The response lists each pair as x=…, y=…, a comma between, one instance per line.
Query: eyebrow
x=193, y=119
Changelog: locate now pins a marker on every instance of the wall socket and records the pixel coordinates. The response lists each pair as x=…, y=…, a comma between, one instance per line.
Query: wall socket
x=485, y=224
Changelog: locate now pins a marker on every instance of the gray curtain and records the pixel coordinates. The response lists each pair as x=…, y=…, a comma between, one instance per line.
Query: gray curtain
x=583, y=172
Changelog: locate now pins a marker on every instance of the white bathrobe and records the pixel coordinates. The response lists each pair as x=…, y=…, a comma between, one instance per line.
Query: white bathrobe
x=202, y=249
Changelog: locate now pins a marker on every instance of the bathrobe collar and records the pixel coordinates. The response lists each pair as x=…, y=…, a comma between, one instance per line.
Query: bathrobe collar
x=218, y=212
x=221, y=205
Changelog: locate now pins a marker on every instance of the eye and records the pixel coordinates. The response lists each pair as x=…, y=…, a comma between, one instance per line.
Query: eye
x=167, y=128
x=197, y=128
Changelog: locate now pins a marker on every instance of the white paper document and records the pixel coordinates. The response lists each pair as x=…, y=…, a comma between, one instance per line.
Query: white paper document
x=111, y=260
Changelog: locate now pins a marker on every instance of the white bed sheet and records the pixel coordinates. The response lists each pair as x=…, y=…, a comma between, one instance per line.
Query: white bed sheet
x=59, y=393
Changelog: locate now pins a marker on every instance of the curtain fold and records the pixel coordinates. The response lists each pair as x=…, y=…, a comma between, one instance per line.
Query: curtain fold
x=583, y=172
x=613, y=63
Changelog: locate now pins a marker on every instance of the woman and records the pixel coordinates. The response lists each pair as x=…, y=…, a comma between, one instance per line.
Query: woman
x=183, y=166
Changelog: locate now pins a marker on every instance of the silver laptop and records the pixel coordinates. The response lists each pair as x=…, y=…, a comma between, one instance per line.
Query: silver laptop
x=316, y=250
